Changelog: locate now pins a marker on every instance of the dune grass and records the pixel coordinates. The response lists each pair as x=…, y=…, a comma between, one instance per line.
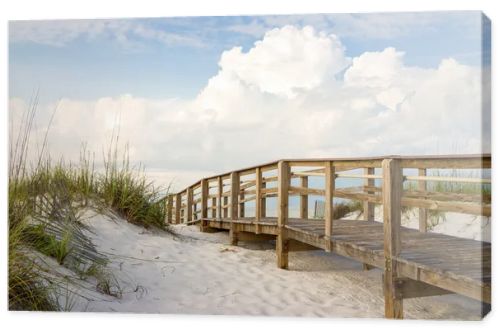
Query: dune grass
x=46, y=203
x=129, y=193
x=341, y=209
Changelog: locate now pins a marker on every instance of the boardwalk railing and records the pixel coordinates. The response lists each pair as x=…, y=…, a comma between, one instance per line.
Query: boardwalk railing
x=437, y=183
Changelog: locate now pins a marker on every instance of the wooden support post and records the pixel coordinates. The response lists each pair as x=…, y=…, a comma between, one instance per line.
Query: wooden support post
x=189, y=207
x=233, y=235
x=369, y=208
x=178, y=203
x=258, y=228
x=304, y=205
x=258, y=194
x=219, y=197
x=392, y=190
x=235, y=189
x=170, y=205
x=422, y=212
x=281, y=239
x=204, y=204
x=329, y=188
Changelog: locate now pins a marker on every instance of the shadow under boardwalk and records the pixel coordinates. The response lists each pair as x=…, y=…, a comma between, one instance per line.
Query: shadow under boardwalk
x=455, y=264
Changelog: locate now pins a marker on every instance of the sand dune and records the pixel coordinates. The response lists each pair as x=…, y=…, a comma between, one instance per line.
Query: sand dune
x=199, y=273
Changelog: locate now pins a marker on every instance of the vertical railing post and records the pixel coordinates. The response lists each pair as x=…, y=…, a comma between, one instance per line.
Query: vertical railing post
x=392, y=189
x=213, y=215
x=241, y=203
x=281, y=239
x=235, y=190
x=170, y=205
x=204, y=204
x=304, y=199
x=422, y=212
x=220, y=189
x=226, y=209
x=178, y=203
x=329, y=188
x=189, y=205
x=369, y=207
x=263, y=200
x=258, y=194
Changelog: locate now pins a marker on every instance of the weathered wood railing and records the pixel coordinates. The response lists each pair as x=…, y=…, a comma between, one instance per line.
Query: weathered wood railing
x=232, y=192
x=226, y=196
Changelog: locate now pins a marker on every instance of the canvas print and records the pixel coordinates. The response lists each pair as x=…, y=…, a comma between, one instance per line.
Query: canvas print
x=320, y=165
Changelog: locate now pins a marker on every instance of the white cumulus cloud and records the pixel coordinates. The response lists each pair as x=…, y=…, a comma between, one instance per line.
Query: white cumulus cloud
x=286, y=60
x=293, y=94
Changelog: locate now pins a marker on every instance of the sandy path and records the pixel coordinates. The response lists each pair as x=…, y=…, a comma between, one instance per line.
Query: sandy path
x=200, y=273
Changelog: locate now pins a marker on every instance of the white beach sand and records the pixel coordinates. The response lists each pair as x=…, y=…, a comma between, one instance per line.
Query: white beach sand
x=199, y=273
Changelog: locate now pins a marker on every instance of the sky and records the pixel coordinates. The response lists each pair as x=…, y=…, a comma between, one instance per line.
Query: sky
x=196, y=96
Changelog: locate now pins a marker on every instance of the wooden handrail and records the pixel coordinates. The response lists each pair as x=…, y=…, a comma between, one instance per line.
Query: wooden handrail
x=184, y=201
x=464, y=161
x=359, y=176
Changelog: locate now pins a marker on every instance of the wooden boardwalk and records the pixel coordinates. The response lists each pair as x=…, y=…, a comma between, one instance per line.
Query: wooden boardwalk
x=415, y=262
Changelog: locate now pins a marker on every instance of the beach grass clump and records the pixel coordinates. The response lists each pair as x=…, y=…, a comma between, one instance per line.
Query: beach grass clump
x=130, y=194
x=44, y=221
x=45, y=208
x=46, y=202
x=340, y=209
x=466, y=188
x=27, y=289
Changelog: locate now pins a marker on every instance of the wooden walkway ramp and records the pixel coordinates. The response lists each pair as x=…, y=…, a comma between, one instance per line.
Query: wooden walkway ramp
x=415, y=262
